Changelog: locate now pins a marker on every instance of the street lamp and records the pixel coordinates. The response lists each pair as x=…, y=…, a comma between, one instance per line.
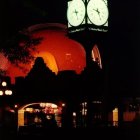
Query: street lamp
x=4, y=90
x=8, y=92
x=4, y=84
x=1, y=93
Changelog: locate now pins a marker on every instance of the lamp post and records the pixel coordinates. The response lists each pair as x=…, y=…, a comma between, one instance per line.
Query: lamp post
x=5, y=91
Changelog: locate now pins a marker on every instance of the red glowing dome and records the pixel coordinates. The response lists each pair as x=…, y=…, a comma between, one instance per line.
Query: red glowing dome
x=58, y=51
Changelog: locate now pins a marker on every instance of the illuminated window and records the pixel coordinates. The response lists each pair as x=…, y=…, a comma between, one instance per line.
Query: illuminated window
x=96, y=56
x=84, y=109
x=115, y=117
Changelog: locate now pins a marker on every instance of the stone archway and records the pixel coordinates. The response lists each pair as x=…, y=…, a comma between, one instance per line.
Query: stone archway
x=48, y=108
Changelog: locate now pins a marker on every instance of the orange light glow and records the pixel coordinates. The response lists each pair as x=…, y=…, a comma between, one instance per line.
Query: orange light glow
x=115, y=117
x=49, y=59
x=58, y=51
x=69, y=54
x=96, y=55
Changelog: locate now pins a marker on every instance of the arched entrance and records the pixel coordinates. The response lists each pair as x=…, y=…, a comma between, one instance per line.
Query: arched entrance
x=36, y=113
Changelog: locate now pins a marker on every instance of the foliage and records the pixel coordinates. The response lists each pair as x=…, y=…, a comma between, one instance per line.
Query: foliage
x=2, y=72
x=16, y=52
x=17, y=49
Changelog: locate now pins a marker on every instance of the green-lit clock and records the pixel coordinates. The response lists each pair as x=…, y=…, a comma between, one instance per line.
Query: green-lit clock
x=76, y=12
x=87, y=15
x=97, y=11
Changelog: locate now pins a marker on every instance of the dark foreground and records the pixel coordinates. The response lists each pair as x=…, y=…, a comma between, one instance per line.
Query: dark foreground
x=110, y=133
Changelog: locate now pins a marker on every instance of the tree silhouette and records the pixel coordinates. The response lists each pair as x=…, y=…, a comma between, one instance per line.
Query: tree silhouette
x=17, y=48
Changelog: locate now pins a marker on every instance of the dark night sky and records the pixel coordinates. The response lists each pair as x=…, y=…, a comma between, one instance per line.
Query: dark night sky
x=123, y=37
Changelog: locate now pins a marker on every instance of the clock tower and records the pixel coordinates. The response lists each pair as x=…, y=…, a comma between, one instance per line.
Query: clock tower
x=87, y=23
x=87, y=14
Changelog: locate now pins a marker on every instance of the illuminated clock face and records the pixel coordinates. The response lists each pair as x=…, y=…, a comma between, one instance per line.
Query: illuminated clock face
x=75, y=12
x=97, y=12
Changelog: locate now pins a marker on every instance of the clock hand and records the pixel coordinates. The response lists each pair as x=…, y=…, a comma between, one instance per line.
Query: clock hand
x=95, y=10
x=76, y=12
x=98, y=12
